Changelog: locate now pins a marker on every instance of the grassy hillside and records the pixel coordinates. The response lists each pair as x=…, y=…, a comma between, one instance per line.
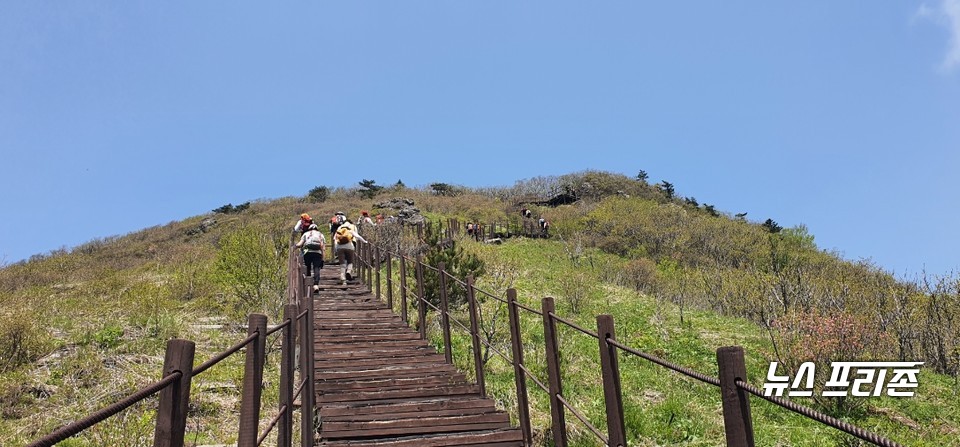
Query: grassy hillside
x=664, y=408
x=81, y=328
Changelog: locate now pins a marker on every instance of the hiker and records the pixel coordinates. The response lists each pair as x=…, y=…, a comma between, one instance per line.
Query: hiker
x=364, y=221
x=345, y=248
x=469, y=229
x=312, y=243
x=302, y=224
x=545, y=228
x=526, y=213
x=379, y=219
x=335, y=222
x=365, y=218
x=338, y=219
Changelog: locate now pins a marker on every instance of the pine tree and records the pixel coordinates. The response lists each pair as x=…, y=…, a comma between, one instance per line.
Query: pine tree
x=369, y=188
x=456, y=262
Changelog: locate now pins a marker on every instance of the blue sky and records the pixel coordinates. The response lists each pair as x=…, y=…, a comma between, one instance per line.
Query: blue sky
x=115, y=116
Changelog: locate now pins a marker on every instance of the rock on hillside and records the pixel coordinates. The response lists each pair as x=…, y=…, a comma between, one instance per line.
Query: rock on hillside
x=406, y=213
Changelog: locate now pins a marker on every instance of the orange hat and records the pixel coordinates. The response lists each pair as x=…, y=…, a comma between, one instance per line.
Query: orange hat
x=363, y=213
x=305, y=216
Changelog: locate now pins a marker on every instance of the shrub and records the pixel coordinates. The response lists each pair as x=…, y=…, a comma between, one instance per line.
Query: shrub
x=319, y=194
x=457, y=262
x=22, y=339
x=825, y=337
x=251, y=262
x=230, y=209
x=641, y=274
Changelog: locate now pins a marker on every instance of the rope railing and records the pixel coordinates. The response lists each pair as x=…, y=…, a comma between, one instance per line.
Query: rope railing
x=490, y=295
x=574, y=325
x=278, y=327
x=299, y=389
x=583, y=420
x=461, y=325
x=534, y=379
x=737, y=422
x=680, y=369
x=174, y=387
x=845, y=427
x=76, y=427
x=424, y=301
x=223, y=355
x=270, y=427
x=456, y=280
x=528, y=309
x=496, y=351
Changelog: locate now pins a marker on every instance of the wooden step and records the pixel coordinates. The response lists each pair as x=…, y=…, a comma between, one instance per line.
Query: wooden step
x=379, y=384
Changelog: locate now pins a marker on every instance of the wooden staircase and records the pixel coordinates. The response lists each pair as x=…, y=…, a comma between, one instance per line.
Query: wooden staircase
x=379, y=384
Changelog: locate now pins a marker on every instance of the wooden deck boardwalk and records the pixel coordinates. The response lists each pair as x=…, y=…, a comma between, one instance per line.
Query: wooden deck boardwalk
x=379, y=384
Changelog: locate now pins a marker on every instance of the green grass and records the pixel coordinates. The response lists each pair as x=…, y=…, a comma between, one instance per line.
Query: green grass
x=663, y=407
x=107, y=309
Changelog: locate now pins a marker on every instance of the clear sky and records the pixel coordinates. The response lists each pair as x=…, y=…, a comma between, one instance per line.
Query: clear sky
x=844, y=116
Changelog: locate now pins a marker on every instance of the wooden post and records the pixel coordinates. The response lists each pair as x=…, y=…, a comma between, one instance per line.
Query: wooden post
x=403, y=289
x=559, y=426
x=288, y=365
x=172, y=414
x=519, y=377
x=475, y=335
x=421, y=307
x=358, y=261
x=389, y=281
x=369, y=265
x=444, y=314
x=612, y=396
x=376, y=262
x=252, y=382
x=307, y=285
x=307, y=393
x=736, y=403
x=360, y=266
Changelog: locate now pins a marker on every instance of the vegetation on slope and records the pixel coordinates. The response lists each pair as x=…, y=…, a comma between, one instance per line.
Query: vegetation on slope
x=80, y=328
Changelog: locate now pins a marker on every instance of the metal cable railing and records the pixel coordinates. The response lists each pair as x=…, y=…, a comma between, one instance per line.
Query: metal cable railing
x=820, y=417
x=278, y=327
x=273, y=423
x=609, y=347
x=223, y=355
x=490, y=295
x=574, y=326
x=171, y=420
x=98, y=416
x=583, y=419
x=680, y=369
x=534, y=379
x=528, y=309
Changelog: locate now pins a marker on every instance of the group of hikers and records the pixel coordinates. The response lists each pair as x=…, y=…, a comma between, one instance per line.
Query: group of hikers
x=343, y=233
x=542, y=223
x=476, y=231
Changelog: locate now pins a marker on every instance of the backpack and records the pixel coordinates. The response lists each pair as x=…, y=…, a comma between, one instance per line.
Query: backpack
x=344, y=235
x=314, y=241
